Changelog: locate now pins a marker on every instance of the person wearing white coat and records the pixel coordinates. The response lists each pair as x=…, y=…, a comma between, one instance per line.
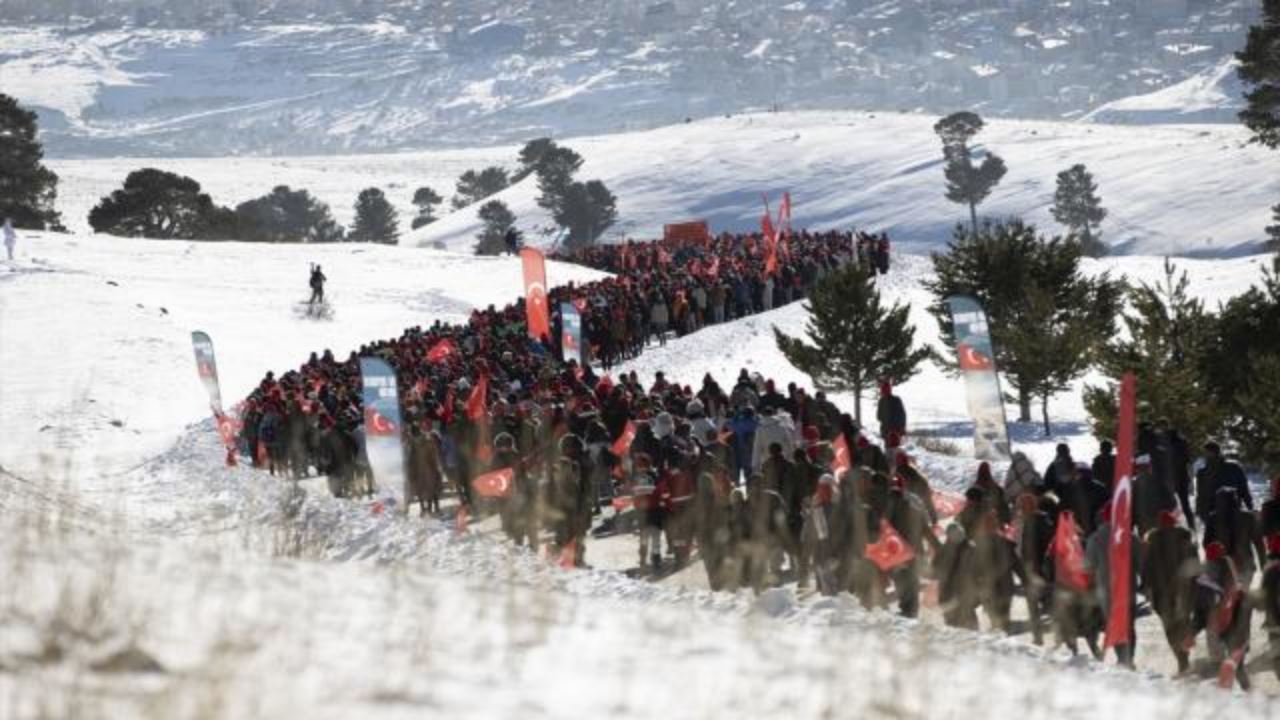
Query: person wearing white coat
x=775, y=427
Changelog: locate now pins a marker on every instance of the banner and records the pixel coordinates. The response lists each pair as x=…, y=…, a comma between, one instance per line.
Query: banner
x=1120, y=548
x=570, y=333
x=382, y=423
x=977, y=362
x=207, y=367
x=696, y=231
x=537, y=314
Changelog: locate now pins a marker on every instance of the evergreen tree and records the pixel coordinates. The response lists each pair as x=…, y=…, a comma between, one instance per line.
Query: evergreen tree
x=1167, y=345
x=1077, y=206
x=162, y=205
x=376, y=221
x=556, y=167
x=476, y=186
x=586, y=210
x=1260, y=67
x=28, y=189
x=497, y=218
x=286, y=215
x=966, y=183
x=1273, y=231
x=426, y=200
x=853, y=341
x=531, y=157
x=1014, y=273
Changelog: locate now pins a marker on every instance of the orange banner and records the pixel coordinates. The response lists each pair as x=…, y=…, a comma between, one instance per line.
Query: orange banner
x=535, y=293
x=696, y=231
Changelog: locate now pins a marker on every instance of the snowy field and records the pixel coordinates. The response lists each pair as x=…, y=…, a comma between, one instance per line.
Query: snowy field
x=145, y=579
x=1170, y=189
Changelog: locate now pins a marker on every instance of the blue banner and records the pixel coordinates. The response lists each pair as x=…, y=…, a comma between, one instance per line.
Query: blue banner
x=207, y=367
x=570, y=333
x=382, y=428
x=978, y=364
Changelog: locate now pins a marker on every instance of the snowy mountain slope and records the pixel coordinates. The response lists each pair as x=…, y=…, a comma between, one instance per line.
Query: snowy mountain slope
x=97, y=346
x=1215, y=95
x=1195, y=189
x=256, y=602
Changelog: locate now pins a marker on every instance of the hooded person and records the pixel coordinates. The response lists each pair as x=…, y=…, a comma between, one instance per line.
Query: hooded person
x=1169, y=567
x=1021, y=476
x=1060, y=472
x=774, y=427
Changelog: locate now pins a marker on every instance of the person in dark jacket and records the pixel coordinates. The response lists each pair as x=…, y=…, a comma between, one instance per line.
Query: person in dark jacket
x=1177, y=465
x=890, y=412
x=1270, y=597
x=1104, y=465
x=1218, y=472
x=1151, y=495
x=907, y=515
x=954, y=568
x=1169, y=566
x=1035, y=538
x=1060, y=472
x=1239, y=532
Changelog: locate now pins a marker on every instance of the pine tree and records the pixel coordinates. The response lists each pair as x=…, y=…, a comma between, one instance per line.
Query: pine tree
x=967, y=184
x=497, y=218
x=1006, y=267
x=1167, y=345
x=475, y=186
x=376, y=220
x=1260, y=67
x=586, y=210
x=28, y=189
x=286, y=215
x=1273, y=231
x=426, y=200
x=162, y=205
x=853, y=341
x=556, y=167
x=1077, y=206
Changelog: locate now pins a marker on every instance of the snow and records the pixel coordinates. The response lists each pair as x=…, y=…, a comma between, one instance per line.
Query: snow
x=1214, y=95
x=254, y=602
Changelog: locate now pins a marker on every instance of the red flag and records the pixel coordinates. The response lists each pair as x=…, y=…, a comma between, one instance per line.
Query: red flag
x=537, y=315
x=948, y=504
x=890, y=551
x=621, y=503
x=840, y=464
x=971, y=359
x=766, y=228
x=496, y=484
x=476, y=402
x=1068, y=554
x=441, y=350
x=623, y=443
x=1120, y=552
x=784, y=212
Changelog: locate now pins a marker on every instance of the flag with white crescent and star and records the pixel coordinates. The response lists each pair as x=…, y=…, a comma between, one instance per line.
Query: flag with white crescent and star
x=1120, y=550
x=537, y=314
x=976, y=358
x=382, y=428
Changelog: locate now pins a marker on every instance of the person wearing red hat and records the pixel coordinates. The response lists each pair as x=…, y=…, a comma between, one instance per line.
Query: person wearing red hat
x=1169, y=567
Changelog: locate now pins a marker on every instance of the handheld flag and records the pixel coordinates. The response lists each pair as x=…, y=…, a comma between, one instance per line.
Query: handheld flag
x=1120, y=550
x=1068, y=554
x=890, y=551
x=537, y=314
x=496, y=484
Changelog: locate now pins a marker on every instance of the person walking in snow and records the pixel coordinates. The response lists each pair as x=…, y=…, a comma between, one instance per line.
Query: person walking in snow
x=317, y=286
x=890, y=412
x=1169, y=566
x=1218, y=472
x=10, y=237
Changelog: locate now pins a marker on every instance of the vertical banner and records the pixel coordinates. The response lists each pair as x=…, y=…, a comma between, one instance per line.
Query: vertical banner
x=570, y=333
x=382, y=423
x=977, y=362
x=1119, y=559
x=207, y=367
x=537, y=314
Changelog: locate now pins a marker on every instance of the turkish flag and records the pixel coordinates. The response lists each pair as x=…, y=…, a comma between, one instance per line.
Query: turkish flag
x=1068, y=554
x=890, y=551
x=623, y=443
x=971, y=359
x=948, y=504
x=496, y=484
x=537, y=314
x=377, y=424
x=1120, y=550
x=841, y=462
x=476, y=402
x=441, y=350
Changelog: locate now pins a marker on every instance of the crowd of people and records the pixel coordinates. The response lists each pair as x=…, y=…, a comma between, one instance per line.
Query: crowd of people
x=770, y=484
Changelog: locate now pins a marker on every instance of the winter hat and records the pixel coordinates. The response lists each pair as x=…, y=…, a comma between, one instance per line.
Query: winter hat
x=663, y=425
x=902, y=460
x=984, y=474
x=693, y=408
x=1215, y=551
x=886, y=388
x=1167, y=519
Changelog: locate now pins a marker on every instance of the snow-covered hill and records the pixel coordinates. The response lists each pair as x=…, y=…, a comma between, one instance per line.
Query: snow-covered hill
x=122, y=530
x=1187, y=190
x=1215, y=95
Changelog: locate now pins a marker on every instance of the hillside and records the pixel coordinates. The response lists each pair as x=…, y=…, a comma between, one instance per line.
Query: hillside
x=1184, y=190
x=280, y=77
